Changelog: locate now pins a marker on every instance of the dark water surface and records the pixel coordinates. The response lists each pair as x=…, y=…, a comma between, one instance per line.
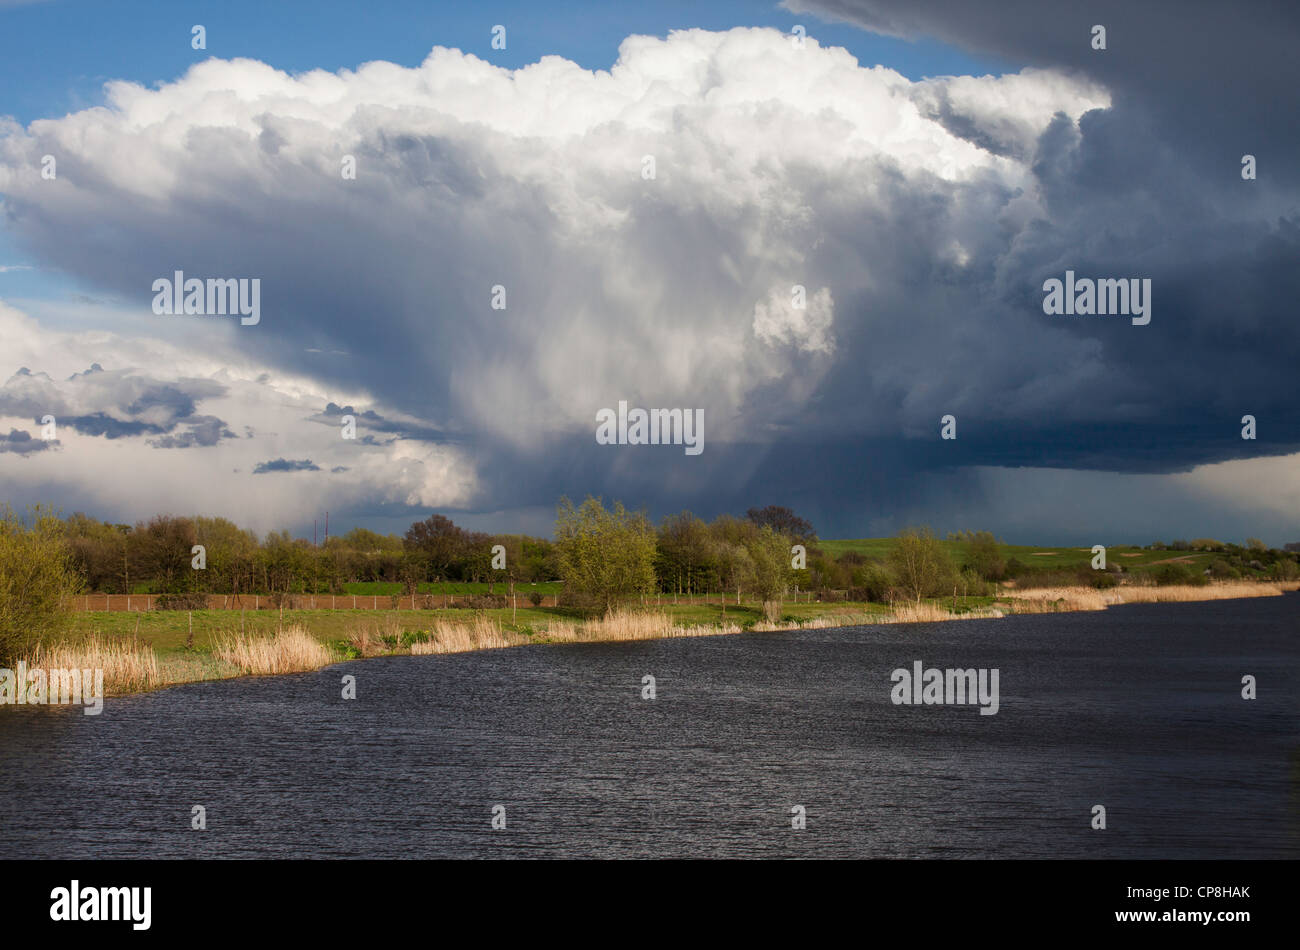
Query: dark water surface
x=1137, y=708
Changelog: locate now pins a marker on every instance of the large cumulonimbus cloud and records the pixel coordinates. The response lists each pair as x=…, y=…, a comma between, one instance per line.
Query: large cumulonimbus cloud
x=649, y=226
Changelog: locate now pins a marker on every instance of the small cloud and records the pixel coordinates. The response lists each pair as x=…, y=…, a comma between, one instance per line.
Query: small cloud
x=285, y=465
x=19, y=442
x=201, y=431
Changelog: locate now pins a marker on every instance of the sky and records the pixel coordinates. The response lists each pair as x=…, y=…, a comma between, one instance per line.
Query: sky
x=644, y=188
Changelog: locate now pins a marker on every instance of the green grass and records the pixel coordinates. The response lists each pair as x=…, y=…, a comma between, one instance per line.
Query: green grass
x=167, y=630
x=392, y=588
x=1045, y=556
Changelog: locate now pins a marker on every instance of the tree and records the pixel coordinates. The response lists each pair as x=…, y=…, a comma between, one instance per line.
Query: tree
x=604, y=555
x=769, y=557
x=439, y=541
x=684, y=554
x=783, y=521
x=735, y=566
x=919, y=563
x=98, y=551
x=230, y=552
x=37, y=577
x=984, y=557
x=161, y=551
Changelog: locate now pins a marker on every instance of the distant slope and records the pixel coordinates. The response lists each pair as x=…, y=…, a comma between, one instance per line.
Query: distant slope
x=1066, y=558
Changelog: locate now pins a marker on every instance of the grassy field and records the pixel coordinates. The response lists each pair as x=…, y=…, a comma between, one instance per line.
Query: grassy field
x=392, y=588
x=168, y=631
x=1064, y=558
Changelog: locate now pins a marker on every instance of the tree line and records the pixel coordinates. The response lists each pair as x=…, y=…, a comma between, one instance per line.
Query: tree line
x=602, y=552
x=158, y=555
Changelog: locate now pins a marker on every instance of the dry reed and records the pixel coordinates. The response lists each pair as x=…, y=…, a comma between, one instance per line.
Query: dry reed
x=482, y=634
x=1058, y=599
x=292, y=650
x=932, y=613
x=129, y=666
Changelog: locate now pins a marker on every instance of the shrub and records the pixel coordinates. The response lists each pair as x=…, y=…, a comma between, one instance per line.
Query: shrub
x=535, y=598
x=1284, y=571
x=484, y=601
x=345, y=649
x=36, y=579
x=1044, y=577
x=1223, y=571
x=1166, y=574
x=192, y=601
x=973, y=584
x=876, y=580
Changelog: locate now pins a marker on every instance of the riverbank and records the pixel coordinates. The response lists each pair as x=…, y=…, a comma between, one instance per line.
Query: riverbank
x=168, y=652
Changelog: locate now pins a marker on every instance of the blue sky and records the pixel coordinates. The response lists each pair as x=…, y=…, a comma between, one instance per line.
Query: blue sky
x=145, y=41
x=148, y=42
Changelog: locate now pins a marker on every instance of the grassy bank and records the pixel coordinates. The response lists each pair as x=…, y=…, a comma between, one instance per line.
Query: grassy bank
x=147, y=650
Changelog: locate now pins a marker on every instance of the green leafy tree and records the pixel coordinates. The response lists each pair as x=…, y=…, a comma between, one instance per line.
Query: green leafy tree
x=684, y=557
x=770, y=570
x=920, y=565
x=37, y=577
x=604, y=555
x=439, y=542
x=984, y=558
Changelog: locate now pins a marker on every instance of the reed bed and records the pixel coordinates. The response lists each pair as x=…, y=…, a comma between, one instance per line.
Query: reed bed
x=129, y=666
x=821, y=622
x=634, y=625
x=1048, y=600
x=624, y=625
x=1228, y=590
x=1060, y=599
x=292, y=650
x=933, y=613
x=481, y=634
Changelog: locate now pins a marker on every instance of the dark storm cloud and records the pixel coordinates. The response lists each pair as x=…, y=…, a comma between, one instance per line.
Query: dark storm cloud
x=1149, y=187
x=1214, y=80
